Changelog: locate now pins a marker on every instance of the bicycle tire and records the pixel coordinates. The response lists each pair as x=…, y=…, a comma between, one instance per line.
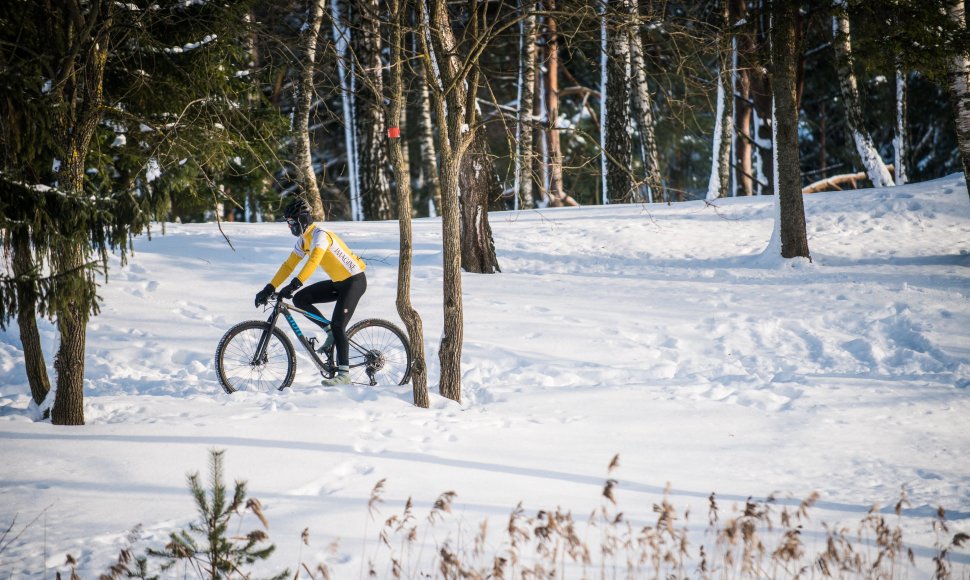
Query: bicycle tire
x=234, y=356
x=380, y=349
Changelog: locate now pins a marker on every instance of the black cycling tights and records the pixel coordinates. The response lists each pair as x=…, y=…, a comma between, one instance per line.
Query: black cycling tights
x=347, y=293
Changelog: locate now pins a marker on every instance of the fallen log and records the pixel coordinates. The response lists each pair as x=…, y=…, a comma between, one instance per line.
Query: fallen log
x=836, y=182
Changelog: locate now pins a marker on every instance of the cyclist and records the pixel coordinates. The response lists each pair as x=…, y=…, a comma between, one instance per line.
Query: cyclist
x=346, y=285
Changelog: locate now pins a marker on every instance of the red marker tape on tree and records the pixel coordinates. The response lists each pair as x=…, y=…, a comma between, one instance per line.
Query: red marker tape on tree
x=393, y=132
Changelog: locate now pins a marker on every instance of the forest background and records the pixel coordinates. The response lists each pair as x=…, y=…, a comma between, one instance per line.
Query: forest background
x=119, y=116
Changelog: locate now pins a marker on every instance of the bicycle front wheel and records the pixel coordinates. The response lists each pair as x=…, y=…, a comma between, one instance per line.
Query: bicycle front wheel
x=239, y=369
x=379, y=353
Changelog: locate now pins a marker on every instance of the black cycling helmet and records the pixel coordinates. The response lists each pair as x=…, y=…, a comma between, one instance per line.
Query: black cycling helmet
x=297, y=214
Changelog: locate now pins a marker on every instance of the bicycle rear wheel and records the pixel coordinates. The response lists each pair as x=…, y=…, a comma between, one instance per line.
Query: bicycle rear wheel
x=237, y=367
x=379, y=353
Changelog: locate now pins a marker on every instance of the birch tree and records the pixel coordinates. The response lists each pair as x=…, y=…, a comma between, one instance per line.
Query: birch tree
x=395, y=112
x=372, y=162
x=302, y=102
x=653, y=176
x=900, y=135
x=719, y=184
x=617, y=144
x=790, y=229
x=842, y=43
x=525, y=105
x=345, y=65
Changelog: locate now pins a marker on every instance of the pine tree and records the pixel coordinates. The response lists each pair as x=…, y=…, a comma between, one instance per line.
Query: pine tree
x=103, y=97
x=209, y=546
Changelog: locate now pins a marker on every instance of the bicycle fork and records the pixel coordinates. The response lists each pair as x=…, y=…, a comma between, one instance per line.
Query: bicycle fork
x=259, y=356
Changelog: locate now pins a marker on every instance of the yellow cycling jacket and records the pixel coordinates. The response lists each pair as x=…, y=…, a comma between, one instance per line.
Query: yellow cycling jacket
x=326, y=250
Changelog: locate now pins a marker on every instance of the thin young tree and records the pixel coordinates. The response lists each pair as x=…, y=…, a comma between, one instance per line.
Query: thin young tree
x=790, y=229
x=454, y=75
x=399, y=10
x=448, y=97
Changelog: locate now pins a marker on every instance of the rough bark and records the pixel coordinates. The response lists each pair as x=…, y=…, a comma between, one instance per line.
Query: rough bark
x=865, y=147
x=36, y=366
x=80, y=94
x=72, y=319
x=526, y=104
x=477, y=183
x=784, y=65
x=302, y=103
x=373, y=165
x=959, y=85
x=450, y=107
x=405, y=309
x=644, y=101
x=900, y=136
x=617, y=143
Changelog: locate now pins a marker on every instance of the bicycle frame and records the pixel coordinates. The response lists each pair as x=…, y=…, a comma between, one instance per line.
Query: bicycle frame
x=326, y=367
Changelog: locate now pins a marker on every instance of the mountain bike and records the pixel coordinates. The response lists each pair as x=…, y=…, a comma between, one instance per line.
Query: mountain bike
x=257, y=355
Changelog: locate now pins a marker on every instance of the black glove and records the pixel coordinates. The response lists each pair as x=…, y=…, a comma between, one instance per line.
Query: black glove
x=288, y=290
x=263, y=294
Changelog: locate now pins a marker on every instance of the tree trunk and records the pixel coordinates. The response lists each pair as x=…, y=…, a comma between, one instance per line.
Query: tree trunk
x=395, y=110
x=81, y=99
x=720, y=184
x=604, y=99
x=429, y=156
x=744, y=48
x=450, y=109
x=842, y=42
x=302, y=102
x=373, y=164
x=526, y=104
x=900, y=138
x=341, y=37
x=651, y=160
x=959, y=85
x=72, y=318
x=618, y=145
x=477, y=183
x=557, y=194
x=784, y=64
x=762, y=131
x=36, y=366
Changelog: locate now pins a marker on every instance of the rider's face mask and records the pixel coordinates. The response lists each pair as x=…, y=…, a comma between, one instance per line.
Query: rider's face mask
x=296, y=228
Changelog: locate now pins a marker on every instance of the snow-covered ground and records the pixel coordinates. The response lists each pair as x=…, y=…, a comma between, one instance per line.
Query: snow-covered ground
x=656, y=332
